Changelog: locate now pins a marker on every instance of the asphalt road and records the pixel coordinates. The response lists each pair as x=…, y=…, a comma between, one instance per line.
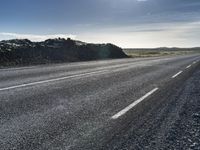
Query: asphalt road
x=111, y=104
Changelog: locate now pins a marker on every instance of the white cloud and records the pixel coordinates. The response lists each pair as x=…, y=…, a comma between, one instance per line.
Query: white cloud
x=33, y=37
x=182, y=34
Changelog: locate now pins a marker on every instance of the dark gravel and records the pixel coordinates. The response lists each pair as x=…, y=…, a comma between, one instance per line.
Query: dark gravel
x=185, y=134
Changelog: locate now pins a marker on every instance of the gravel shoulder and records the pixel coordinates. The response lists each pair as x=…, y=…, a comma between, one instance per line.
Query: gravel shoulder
x=185, y=133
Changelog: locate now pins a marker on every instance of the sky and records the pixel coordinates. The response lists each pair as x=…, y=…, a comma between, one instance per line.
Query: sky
x=126, y=23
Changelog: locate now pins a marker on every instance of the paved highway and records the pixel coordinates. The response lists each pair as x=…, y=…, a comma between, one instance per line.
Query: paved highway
x=111, y=104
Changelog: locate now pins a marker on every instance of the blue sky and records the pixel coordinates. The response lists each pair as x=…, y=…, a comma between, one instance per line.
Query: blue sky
x=127, y=23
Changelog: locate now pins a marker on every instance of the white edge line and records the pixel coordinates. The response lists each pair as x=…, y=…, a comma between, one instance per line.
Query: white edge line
x=174, y=76
x=125, y=110
x=50, y=80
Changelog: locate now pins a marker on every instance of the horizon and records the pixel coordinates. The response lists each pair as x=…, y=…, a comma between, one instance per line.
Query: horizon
x=125, y=23
x=101, y=43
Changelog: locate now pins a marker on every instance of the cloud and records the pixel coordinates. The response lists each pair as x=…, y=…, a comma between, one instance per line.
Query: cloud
x=176, y=34
x=141, y=0
x=34, y=37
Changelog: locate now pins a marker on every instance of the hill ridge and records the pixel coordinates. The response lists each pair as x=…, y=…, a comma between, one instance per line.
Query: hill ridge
x=26, y=52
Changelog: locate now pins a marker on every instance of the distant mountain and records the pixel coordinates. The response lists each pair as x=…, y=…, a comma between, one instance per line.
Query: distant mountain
x=25, y=52
x=166, y=49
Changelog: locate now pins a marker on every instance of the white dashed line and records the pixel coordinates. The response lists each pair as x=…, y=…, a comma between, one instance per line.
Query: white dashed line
x=51, y=80
x=188, y=66
x=177, y=74
x=125, y=110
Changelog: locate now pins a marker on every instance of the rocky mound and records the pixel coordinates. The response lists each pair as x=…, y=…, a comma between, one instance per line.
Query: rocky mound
x=25, y=52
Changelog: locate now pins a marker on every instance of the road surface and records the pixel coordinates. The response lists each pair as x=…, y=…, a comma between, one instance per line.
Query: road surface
x=111, y=104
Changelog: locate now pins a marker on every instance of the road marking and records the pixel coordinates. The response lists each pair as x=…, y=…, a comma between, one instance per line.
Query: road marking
x=194, y=62
x=177, y=74
x=50, y=80
x=125, y=110
x=188, y=66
